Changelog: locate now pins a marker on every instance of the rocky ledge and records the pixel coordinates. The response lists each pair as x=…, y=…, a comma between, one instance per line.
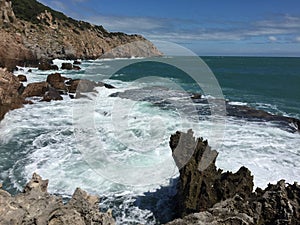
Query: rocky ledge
x=36, y=206
x=207, y=195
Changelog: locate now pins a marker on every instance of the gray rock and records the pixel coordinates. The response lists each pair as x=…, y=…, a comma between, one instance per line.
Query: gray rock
x=36, y=206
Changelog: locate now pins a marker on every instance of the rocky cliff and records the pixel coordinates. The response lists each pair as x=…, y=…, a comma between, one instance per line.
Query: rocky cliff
x=209, y=196
x=36, y=206
x=31, y=31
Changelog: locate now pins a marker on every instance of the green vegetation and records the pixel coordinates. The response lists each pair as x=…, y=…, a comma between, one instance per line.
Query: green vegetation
x=28, y=10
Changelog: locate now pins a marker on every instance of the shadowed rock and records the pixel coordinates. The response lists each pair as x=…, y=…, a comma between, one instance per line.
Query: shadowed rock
x=226, y=198
x=36, y=206
x=52, y=94
x=201, y=185
x=36, y=89
x=22, y=78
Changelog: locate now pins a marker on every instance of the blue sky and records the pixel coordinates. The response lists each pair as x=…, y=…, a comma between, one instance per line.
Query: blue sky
x=207, y=27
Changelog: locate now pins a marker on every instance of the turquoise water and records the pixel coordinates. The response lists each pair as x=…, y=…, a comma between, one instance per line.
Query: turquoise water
x=118, y=148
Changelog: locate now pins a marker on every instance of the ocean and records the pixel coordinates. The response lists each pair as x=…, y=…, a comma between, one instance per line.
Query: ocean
x=114, y=142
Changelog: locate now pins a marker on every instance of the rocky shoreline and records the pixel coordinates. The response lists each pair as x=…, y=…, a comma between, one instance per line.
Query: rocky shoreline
x=211, y=196
x=205, y=195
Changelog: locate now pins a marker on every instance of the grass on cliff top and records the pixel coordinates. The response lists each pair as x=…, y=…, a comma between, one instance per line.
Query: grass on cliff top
x=28, y=10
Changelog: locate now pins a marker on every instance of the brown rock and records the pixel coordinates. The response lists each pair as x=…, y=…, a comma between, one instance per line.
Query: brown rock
x=10, y=97
x=57, y=81
x=36, y=89
x=22, y=78
x=45, y=64
x=66, y=66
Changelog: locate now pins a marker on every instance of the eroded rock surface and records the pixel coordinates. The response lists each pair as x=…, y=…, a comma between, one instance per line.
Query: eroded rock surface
x=209, y=196
x=10, y=89
x=36, y=206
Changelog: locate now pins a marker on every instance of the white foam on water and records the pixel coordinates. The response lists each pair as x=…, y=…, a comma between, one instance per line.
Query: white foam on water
x=44, y=133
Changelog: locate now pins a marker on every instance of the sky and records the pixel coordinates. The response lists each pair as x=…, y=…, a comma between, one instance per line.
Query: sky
x=206, y=27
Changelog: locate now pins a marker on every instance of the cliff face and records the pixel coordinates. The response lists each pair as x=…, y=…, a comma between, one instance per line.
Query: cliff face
x=31, y=31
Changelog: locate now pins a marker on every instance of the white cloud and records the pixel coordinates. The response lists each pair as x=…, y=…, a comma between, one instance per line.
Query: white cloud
x=272, y=38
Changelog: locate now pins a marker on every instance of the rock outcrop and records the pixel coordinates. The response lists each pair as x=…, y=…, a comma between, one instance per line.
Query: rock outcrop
x=36, y=206
x=225, y=198
x=28, y=36
x=10, y=89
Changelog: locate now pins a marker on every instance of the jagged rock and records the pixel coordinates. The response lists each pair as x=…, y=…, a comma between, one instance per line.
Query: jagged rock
x=36, y=89
x=57, y=81
x=52, y=94
x=277, y=204
x=225, y=198
x=22, y=78
x=66, y=66
x=10, y=97
x=36, y=206
x=201, y=185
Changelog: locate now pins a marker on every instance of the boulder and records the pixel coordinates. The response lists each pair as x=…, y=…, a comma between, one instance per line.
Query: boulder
x=52, y=94
x=10, y=89
x=57, y=81
x=201, y=184
x=44, y=64
x=36, y=89
x=81, y=85
x=66, y=66
x=22, y=78
x=36, y=206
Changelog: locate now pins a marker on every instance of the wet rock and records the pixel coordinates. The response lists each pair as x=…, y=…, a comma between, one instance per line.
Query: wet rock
x=52, y=94
x=57, y=81
x=10, y=97
x=36, y=89
x=36, y=206
x=201, y=185
x=76, y=67
x=76, y=62
x=22, y=78
x=109, y=86
x=81, y=85
x=45, y=64
x=66, y=66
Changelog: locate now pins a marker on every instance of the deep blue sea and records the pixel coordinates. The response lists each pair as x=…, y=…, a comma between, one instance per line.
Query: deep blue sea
x=118, y=147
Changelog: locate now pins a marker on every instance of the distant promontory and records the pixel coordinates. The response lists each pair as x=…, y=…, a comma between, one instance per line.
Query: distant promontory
x=31, y=31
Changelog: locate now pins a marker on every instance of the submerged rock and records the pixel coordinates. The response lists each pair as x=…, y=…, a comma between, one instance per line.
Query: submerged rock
x=226, y=198
x=36, y=206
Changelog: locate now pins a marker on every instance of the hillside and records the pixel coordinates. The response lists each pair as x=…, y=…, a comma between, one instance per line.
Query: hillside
x=31, y=31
